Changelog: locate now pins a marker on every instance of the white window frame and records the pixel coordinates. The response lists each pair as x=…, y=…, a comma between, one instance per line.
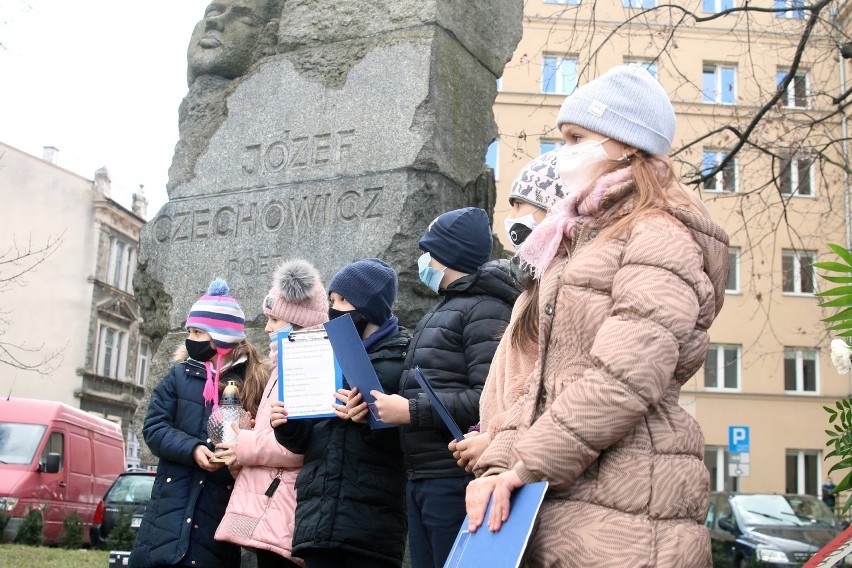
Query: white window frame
x=118, y=352
x=639, y=4
x=722, y=476
x=797, y=255
x=800, y=375
x=734, y=255
x=791, y=171
x=720, y=367
x=718, y=6
x=559, y=88
x=719, y=178
x=650, y=66
x=791, y=14
x=143, y=363
x=496, y=165
x=122, y=264
x=790, y=94
x=570, y=2
x=800, y=470
x=718, y=88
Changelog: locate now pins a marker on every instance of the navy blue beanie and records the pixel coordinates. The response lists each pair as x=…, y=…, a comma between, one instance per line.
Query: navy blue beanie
x=369, y=285
x=459, y=239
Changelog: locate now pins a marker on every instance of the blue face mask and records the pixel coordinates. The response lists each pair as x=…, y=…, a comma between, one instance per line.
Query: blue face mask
x=430, y=276
x=286, y=329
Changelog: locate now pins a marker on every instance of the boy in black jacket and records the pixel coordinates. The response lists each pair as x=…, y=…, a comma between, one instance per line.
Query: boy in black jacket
x=350, y=503
x=453, y=345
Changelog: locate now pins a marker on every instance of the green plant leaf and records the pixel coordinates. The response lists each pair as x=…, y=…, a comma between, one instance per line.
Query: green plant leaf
x=833, y=266
x=845, y=483
x=837, y=279
x=839, y=291
x=841, y=315
x=841, y=326
x=842, y=252
x=841, y=302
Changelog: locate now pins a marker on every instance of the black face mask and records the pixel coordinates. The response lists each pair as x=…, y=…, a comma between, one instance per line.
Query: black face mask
x=200, y=350
x=357, y=318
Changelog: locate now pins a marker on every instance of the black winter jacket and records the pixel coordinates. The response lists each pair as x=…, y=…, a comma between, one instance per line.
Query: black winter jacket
x=350, y=494
x=453, y=345
x=187, y=502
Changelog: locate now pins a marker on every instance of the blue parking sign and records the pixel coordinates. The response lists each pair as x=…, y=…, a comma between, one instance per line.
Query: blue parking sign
x=738, y=439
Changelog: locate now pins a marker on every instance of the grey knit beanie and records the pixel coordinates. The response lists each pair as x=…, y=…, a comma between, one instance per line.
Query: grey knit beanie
x=626, y=104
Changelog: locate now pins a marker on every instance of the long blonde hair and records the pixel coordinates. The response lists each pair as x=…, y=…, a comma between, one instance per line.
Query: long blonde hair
x=655, y=189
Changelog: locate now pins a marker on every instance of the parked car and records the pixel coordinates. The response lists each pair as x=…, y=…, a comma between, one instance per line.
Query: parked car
x=55, y=458
x=778, y=530
x=130, y=493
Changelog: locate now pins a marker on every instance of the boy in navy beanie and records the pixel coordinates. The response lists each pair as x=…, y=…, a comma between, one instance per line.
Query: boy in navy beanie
x=453, y=345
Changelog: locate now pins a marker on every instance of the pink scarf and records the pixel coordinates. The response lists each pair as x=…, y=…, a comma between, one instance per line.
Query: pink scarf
x=211, y=386
x=540, y=248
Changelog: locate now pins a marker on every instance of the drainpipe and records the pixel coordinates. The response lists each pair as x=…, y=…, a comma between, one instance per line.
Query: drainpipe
x=844, y=53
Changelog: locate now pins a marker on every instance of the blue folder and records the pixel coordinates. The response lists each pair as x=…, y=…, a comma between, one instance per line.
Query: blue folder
x=438, y=405
x=355, y=363
x=504, y=548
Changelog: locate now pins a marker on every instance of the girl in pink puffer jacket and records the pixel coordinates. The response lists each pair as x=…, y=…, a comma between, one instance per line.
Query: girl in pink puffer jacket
x=261, y=511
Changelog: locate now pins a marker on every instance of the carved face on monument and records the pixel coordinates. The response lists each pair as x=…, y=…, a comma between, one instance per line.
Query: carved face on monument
x=224, y=42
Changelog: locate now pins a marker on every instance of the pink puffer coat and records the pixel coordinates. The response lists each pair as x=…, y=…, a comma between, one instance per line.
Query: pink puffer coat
x=623, y=326
x=252, y=519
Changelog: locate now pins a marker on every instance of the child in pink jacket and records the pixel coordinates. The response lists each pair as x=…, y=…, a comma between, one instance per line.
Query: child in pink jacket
x=261, y=511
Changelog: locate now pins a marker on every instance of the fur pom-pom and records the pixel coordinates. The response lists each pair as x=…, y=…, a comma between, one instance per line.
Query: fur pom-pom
x=219, y=287
x=295, y=280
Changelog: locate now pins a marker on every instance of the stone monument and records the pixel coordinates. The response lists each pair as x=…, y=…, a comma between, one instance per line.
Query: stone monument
x=326, y=130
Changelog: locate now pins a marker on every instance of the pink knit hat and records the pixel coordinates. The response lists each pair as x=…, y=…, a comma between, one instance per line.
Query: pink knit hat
x=297, y=295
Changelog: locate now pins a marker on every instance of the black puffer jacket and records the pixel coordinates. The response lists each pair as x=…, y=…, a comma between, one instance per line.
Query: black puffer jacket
x=350, y=494
x=187, y=502
x=453, y=345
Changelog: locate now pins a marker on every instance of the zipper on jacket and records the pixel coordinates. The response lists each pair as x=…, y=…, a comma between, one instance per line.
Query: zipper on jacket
x=275, y=483
x=580, y=234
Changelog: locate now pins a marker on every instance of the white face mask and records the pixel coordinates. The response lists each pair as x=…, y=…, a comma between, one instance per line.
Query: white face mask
x=576, y=164
x=520, y=228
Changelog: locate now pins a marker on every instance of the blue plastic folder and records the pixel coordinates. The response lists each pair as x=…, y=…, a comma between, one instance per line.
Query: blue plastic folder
x=353, y=360
x=438, y=405
x=321, y=396
x=504, y=548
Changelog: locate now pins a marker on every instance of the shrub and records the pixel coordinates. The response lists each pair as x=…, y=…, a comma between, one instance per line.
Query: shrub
x=121, y=537
x=32, y=528
x=4, y=520
x=72, y=531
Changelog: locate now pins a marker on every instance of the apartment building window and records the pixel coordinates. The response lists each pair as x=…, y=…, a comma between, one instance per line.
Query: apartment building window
x=112, y=346
x=790, y=13
x=572, y=2
x=144, y=360
x=722, y=367
x=122, y=264
x=716, y=460
x=798, y=271
x=797, y=90
x=800, y=371
x=491, y=158
x=650, y=66
x=558, y=75
x=726, y=178
x=733, y=283
x=716, y=6
x=719, y=84
x=795, y=177
x=499, y=84
x=803, y=473
x=639, y=3
x=547, y=145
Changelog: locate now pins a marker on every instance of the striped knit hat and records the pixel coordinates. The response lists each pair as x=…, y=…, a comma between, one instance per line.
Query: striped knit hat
x=219, y=315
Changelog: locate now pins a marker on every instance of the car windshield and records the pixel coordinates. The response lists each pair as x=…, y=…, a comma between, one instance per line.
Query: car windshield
x=783, y=510
x=134, y=489
x=19, y=442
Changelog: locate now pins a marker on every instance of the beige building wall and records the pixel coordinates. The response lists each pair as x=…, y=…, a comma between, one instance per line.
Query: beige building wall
x=48, y=307
x=758, y=318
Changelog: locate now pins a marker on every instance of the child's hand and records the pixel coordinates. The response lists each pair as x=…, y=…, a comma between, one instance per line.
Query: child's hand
x=228, y=450
x=391, y=408
x=354, y=409
x=468, y=451
x=202, y=454
x=279, y=414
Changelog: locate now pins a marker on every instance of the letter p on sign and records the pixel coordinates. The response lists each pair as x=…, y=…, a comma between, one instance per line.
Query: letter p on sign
x=738, y=439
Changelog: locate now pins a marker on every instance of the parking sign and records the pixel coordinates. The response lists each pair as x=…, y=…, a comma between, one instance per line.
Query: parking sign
x=738, y=439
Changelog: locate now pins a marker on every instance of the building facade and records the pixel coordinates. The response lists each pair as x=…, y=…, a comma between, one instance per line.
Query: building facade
x=71, y=312
x=781, y=198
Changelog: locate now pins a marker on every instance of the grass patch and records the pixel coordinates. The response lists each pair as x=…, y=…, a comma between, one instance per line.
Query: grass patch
x=21, y=555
